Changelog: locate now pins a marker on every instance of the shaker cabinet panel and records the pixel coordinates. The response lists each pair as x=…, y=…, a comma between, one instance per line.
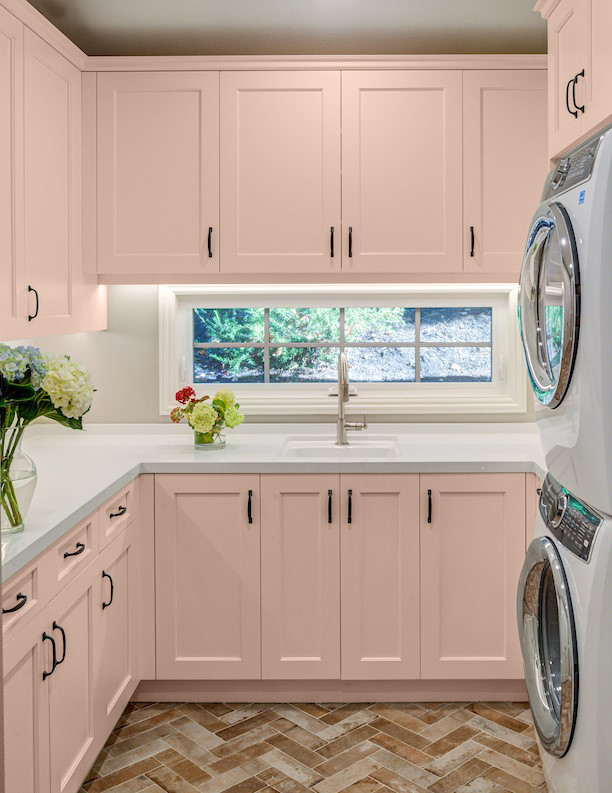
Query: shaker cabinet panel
x=280, y=172
x=504, y=153
x=472, y=551
x=598, y=64
x=401, y=171
x=380, y=576
x=158, y=172
x=207, y=548
x=300, y=576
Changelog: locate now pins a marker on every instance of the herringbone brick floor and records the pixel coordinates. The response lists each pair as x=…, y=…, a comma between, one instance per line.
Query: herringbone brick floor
x=485, y=747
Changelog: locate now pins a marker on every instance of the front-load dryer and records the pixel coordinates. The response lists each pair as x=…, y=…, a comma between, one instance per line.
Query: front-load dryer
x=565, y=317
x=565, y=627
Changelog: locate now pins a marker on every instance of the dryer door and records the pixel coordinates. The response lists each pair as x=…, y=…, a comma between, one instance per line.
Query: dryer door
x=548, y=641
x=549, y=303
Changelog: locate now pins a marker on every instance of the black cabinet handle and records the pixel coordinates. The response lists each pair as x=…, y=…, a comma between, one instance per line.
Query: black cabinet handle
x=35, y=314
x=331, y=242
x=45, y=675
x=429, y=506
x=210, y=242
x=79, y=549
x=112, y=589
x=121, y=511
x=574, y=84
x=21, y=601
x=249, y=507
x=472, y=241
x=349, y=518
x=59, y=628
x=350, y=242
x=567, y=87
x=329, y=506
x=539, y=491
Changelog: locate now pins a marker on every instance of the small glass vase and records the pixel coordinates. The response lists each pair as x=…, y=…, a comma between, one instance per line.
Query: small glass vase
x=209, y=440
x=17, y=484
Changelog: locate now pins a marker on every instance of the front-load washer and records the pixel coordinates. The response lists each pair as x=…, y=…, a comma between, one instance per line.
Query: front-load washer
x=565, y=317
x=564, y=609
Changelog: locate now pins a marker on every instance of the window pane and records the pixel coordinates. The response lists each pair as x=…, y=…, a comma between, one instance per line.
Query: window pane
x=305, y=324
x=303, y=364
x=456, y=324
x=228, y=365
x=228, y=325
x=379, y=324
x=381, y=364
x=455, y=364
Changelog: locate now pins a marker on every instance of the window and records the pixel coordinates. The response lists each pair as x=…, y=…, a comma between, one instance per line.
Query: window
x=418, y=348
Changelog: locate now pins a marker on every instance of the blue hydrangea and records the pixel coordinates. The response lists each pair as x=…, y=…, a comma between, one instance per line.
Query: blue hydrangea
x=16, y=361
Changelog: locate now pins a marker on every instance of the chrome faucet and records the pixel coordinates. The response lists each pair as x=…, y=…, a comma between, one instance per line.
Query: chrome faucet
x=342, y=425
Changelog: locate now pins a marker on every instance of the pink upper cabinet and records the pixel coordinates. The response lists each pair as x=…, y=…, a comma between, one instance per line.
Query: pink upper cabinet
x=472, y=552
x=52, y=197
x=158, y=173
x=598, y=67
x=401, y=171
x=280, y=166
x=504, y=154
x=380, y=576
x=207, y=576
x=300, y=576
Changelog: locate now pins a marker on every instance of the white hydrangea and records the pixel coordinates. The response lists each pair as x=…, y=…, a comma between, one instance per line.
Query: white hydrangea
x=69, y=386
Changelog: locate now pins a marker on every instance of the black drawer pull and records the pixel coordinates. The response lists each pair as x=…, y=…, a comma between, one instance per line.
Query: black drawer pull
x=349, y=518
x=21, y=601
x=331, y=242
x=45, y=675
x=59, y=628
x=112, y=589
x=472, y=241
x=249, y=507
x=350, y=242
x=121, y=511
x=79, y=549
x=567, y=87
x=574, y=84
x=429, y=506
x=210, y=255
x=329, y=506
x=35, y=314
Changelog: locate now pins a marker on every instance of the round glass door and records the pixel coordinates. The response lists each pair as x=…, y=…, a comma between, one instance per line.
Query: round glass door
x=549, y=303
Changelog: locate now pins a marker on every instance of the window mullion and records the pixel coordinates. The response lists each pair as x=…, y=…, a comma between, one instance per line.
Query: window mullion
x=266, y=345
x=417, y=345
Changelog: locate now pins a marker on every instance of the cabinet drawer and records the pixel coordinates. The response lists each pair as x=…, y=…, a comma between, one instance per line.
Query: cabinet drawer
x=75, y=551
x=117, y=513
x=26, y=594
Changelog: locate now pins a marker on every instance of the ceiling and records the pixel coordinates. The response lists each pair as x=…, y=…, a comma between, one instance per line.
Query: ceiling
x=299, y=27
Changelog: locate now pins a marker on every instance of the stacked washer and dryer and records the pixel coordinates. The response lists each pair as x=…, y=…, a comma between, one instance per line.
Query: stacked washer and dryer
x=565, y=589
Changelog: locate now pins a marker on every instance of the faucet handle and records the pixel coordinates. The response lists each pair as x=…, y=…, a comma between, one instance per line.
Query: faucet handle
x=357, y=425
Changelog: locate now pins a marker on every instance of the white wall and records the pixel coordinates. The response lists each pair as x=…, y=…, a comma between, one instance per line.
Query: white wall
x=123, y=361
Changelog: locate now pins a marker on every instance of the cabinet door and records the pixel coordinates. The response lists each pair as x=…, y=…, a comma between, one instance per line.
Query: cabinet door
x=598, y=102
x=567, y=50
x=401, y=171
x=52, y=199
x=12, y=303
x=72, y=684
x=116, y=610
x=380, y=576
x=158, y=172
x=280, y=166
x=300, y=576
x=471, y=557
x=26, y=709
x=207, y=576
x=504, y=152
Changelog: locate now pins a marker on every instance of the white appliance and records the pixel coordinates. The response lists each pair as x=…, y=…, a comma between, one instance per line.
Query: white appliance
x=565, y=625
x=565, y=315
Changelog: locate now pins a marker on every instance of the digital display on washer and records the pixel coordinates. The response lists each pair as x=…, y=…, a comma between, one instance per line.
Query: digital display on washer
x=572, y=523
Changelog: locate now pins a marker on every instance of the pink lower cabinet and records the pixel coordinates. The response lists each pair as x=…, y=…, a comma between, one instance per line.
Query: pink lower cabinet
x=472, y=550
x=207, y=576
x=115, y=607
x=380, y=576
x=300, y=576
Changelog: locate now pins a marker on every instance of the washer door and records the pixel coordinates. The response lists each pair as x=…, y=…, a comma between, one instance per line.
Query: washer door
x=548, y=641
x=549, y=303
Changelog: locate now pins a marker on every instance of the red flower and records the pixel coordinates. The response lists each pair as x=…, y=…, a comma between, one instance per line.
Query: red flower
x=185, y=394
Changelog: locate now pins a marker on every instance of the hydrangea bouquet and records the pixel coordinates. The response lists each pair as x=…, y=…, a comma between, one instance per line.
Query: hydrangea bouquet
x=32, y=386
x=208, y=420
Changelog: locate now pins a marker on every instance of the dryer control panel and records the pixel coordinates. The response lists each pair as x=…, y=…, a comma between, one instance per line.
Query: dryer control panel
x=573, y=169
x=571, y=521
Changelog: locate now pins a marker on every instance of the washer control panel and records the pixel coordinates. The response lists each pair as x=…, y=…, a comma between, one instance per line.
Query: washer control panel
x=572, y=170
x=571, y=521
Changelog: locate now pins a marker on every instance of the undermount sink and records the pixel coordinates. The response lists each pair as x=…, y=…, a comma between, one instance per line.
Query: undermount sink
x=324, y=446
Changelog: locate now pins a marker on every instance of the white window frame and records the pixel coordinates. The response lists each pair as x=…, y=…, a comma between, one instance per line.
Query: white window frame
x=506, y=393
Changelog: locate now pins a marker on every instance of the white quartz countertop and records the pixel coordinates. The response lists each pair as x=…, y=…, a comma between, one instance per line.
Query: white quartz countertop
x=79, y=471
